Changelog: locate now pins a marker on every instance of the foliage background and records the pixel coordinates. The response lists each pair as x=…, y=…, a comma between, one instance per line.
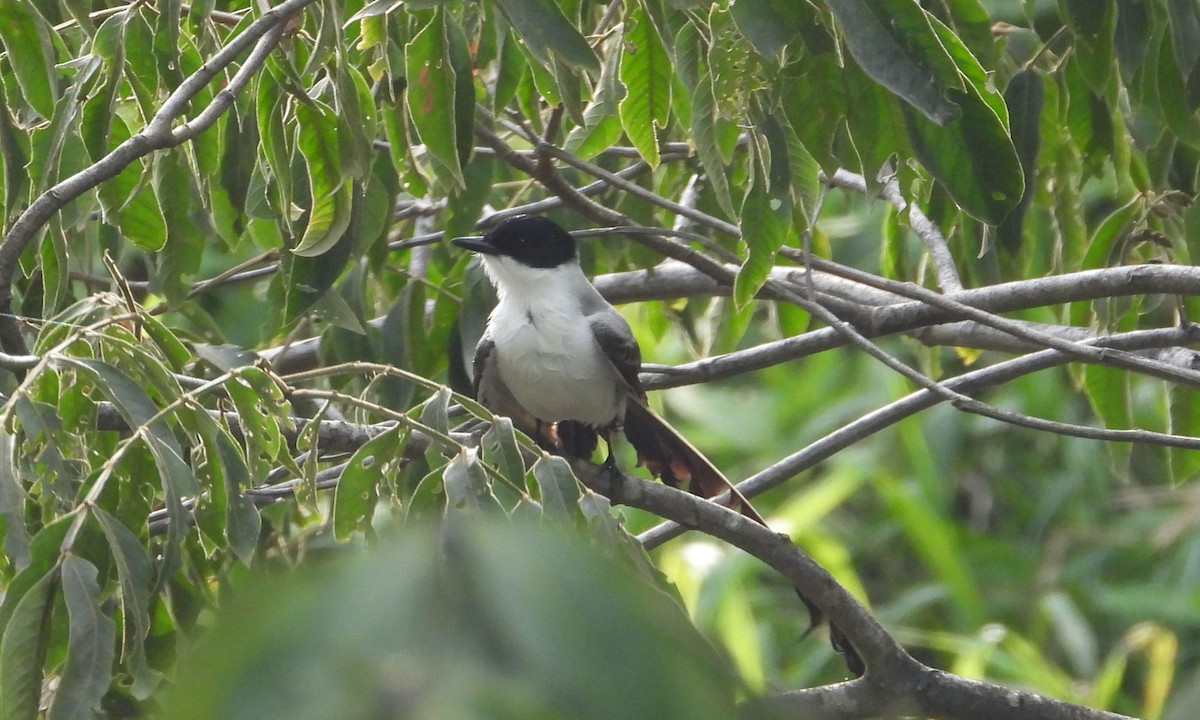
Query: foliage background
x=1059, y=564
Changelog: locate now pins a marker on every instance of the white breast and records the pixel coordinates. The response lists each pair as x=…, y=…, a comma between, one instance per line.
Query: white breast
x=548, y=356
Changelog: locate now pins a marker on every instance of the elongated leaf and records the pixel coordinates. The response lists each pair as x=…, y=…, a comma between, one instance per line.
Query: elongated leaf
x=646, y=73
x=330, y=192
x=44, y=551
x=766, y=217
x=23, y=649
x=544, y=28
x=12, y=507
x=704, y=135
x=243, y=524
x=1025, y=97
x=892, y=41
x=973, y=158
x=91, y=645
x=135, y=576
x=358, y=487
x=178, y=480
x=259, y=424
x=431, y=93
x=26, y=37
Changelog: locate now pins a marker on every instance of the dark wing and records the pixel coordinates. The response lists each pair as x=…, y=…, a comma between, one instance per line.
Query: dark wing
x=616, y=341
x=483, y=352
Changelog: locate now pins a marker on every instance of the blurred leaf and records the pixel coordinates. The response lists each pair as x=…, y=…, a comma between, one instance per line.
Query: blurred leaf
x=766, y=217
x=471, y=611
x=499, y=447
x=466, y=483
x=769, y=25
x=1025, y=97
x=704, y=118
x=135, y=576
x=557, y=487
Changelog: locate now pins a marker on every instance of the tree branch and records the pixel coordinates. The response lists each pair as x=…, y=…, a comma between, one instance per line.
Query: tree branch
x=895, y=683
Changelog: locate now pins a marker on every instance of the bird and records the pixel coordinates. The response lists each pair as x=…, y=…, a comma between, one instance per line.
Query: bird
x=563, y=363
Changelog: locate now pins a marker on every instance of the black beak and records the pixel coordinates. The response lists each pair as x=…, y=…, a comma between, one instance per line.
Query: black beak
x=475, y=243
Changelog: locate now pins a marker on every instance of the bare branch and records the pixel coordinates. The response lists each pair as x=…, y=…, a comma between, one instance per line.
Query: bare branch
x=890, y=414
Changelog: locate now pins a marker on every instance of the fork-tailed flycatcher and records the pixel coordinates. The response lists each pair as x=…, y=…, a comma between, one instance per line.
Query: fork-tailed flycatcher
x=560, y=361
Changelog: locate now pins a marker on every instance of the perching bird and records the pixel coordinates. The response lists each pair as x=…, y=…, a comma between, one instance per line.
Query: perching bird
x=560, y=361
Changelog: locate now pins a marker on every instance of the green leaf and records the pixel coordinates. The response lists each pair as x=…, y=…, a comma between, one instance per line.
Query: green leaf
x=176, y=476
x=499, y=447
x=893, y=42
x=44, y=551
x=358, y=487
x=1094, y=25
x=646, y=74
x=27, y=41
x=704, y=135
x=23, y=649
x=466, y=483
x=243, y=525
x=544, y=28
x=601, y=130
x=1025, y=97
x=128, y=202
x=91, y=645
x=330, y=192
x=766, y=216
x=973, y=158
x=12, y=507
x=1185, y=420
x=1108, y=390
x=558, y=488
x=135, y=575
x=430, y=95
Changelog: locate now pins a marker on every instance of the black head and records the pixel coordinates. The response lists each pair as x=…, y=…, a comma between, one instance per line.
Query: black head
x=529, y=239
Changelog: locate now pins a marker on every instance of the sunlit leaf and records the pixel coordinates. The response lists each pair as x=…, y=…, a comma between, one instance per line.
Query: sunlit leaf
x=330, y=191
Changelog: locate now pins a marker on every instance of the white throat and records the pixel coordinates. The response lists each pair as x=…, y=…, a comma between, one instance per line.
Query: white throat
x=547, y=353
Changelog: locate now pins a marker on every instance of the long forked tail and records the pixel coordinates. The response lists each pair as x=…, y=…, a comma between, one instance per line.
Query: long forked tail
x=666, y=454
